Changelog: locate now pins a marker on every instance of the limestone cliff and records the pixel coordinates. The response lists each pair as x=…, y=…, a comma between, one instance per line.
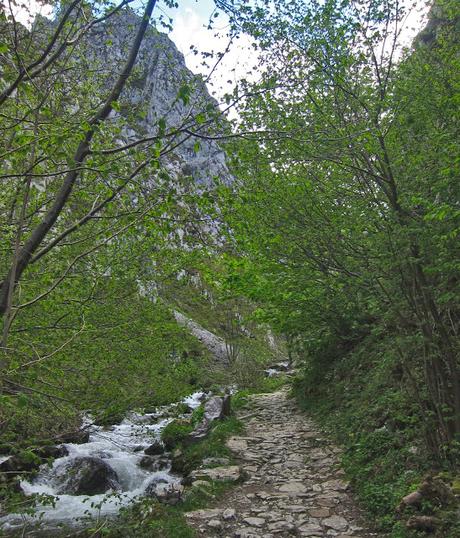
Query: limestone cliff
x=163, y=89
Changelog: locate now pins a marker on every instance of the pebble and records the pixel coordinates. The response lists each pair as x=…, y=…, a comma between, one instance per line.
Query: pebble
x=228, y=513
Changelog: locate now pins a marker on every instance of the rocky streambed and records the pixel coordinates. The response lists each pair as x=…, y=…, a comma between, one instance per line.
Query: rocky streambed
x=96, y=478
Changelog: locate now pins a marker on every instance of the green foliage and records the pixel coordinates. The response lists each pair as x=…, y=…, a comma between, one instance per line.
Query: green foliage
x=143, y=360
x=175, y=432
x=361, y=404
x=343, y=254
x=197, y=415
x=341, y=234
x=87, y=331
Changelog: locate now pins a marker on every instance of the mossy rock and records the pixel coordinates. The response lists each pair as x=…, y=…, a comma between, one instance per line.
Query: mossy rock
x=175, y=432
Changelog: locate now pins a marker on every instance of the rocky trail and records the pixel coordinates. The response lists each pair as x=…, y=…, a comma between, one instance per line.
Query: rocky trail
x=294, y=485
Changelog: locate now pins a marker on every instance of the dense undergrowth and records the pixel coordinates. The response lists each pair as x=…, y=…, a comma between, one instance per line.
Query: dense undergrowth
x=360, y=396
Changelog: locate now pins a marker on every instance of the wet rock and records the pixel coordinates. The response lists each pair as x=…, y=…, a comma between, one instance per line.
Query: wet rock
x=280, y=367
x=151, y=489
x=86, y=476
x=27, y=462
x=169, y=493
x=103, y=454
x=51, y=451
x=19, y=464
x=155, y=449
x=77, y=437
x=154, y=463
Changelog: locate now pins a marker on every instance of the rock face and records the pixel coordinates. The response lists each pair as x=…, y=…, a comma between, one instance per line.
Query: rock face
x=215, y=344
x=163, y=96
x=86, y=476
x=155, y=92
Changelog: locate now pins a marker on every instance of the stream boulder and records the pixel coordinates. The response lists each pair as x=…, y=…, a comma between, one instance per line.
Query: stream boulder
x=19, y=464
x=77, y=437
x=154, y=463
x=216, y=408
x=151, y=489
x=86, y=475
x=52, y=451
x=29, y=461
x=164, y=491
x=170, y=494
x=155, y=449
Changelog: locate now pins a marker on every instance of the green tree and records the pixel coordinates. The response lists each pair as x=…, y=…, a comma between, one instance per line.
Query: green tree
x=349, y=202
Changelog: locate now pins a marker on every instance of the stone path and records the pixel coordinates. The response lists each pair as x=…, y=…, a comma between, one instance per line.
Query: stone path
x=294, y=485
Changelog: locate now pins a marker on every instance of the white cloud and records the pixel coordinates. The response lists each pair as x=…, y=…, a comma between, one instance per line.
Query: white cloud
x=26, y=11
x=190, y=28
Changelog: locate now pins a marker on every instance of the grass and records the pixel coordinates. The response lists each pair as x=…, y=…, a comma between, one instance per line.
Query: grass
x=150, y=519
x=266, y=384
